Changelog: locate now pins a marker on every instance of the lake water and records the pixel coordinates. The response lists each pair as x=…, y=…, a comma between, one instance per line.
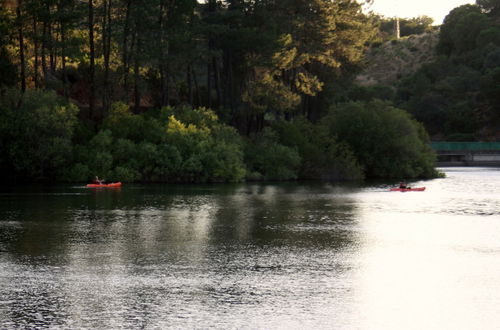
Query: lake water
x=253, y=256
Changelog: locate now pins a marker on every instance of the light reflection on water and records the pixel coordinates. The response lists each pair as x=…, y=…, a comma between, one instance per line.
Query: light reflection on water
x=253, y=256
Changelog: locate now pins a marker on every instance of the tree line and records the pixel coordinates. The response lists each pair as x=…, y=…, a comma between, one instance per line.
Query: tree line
x=182, y=91
x=457, y=96
x=237, y=57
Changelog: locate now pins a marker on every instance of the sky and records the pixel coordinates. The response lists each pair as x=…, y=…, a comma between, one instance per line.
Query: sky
x=437, y=9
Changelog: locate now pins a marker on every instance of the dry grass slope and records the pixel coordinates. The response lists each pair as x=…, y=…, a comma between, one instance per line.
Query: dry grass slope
x=389, y=62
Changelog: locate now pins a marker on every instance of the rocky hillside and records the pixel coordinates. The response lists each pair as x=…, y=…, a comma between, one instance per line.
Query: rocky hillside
x=388, y=62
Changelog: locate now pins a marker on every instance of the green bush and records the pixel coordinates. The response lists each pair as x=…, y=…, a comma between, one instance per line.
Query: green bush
x=322, y=155
x=158, y=147
x=266, y=158
x=96, y=156
x=168, y=163
x=125, y=174
x=77, y=173
x=36, y=133
x=386, y=141
x=210, y=151
x=124, y=124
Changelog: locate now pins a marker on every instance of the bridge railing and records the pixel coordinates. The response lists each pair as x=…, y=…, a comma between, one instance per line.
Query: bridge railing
x=469, y=146
x=467, y=153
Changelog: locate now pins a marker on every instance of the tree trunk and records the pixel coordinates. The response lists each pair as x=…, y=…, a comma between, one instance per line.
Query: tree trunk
x=92, y=113
x=21, y=46
x=137, y=92
x=50, y=41
x=189, y=85
x=106, y=99
x=229, y=89
x=305, y=106
x=43, y=55
x=196, y=88
x=161, y=53
x=260, y=122
x=35, y=50
x=209, y=85
x=217, y=81
x=125, y=50
x=167, y=83
x=161, y=100
x=63, y=56
x=211, y=10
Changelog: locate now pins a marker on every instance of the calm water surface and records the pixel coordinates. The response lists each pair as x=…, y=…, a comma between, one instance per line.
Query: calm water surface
x=276, y=256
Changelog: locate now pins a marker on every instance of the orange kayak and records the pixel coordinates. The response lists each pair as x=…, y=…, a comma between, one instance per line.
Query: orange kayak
x=408, y=189
x=105, y=185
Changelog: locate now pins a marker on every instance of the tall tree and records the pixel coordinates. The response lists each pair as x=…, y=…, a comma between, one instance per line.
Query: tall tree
x=314, y=37
x=35, y=51
x=210, y=38
x=21, y=44
x=64, y=19
x=106, y=49
x=125, y=48
x=144, y=43
x=92, y=113
x=460, y=30
x=163, y=51
x=8, y=74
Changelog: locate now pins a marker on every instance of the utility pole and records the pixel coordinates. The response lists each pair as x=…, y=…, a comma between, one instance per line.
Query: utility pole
x=397, y=30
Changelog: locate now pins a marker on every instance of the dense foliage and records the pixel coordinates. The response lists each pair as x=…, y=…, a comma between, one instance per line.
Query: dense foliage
x=242, y=58
x=194, y=91
x=42, y=139
x=36, y=131
x=172, y=145
x=385, y=140
x=457, y=96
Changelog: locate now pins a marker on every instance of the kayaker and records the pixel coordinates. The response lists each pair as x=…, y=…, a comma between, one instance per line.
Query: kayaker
x=403, y=185
x=97, y=181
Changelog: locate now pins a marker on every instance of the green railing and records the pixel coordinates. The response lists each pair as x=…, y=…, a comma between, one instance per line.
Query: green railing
x=471, y=146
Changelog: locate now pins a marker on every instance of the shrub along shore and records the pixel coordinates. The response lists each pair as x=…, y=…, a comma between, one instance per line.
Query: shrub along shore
x=42, y=137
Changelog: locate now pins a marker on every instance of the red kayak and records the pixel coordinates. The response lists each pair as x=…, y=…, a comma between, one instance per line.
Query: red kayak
x=408, y=189
x=105, y=185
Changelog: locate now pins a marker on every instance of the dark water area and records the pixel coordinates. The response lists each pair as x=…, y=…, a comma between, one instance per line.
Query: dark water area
x=258, y=256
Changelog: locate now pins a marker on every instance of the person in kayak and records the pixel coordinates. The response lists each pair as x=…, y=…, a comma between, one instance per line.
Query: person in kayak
x=403, y=185
x=97, y=181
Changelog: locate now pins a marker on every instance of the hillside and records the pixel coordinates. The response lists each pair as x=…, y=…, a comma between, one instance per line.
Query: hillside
x=394, y=59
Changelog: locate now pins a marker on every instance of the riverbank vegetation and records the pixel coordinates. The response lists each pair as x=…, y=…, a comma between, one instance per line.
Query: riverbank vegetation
x=181, y=91
x=457, y=95
x=453, y=88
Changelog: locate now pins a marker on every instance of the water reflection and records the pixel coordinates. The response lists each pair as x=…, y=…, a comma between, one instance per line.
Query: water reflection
x=251, y=256
x=428, y=260
x=156, y=257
